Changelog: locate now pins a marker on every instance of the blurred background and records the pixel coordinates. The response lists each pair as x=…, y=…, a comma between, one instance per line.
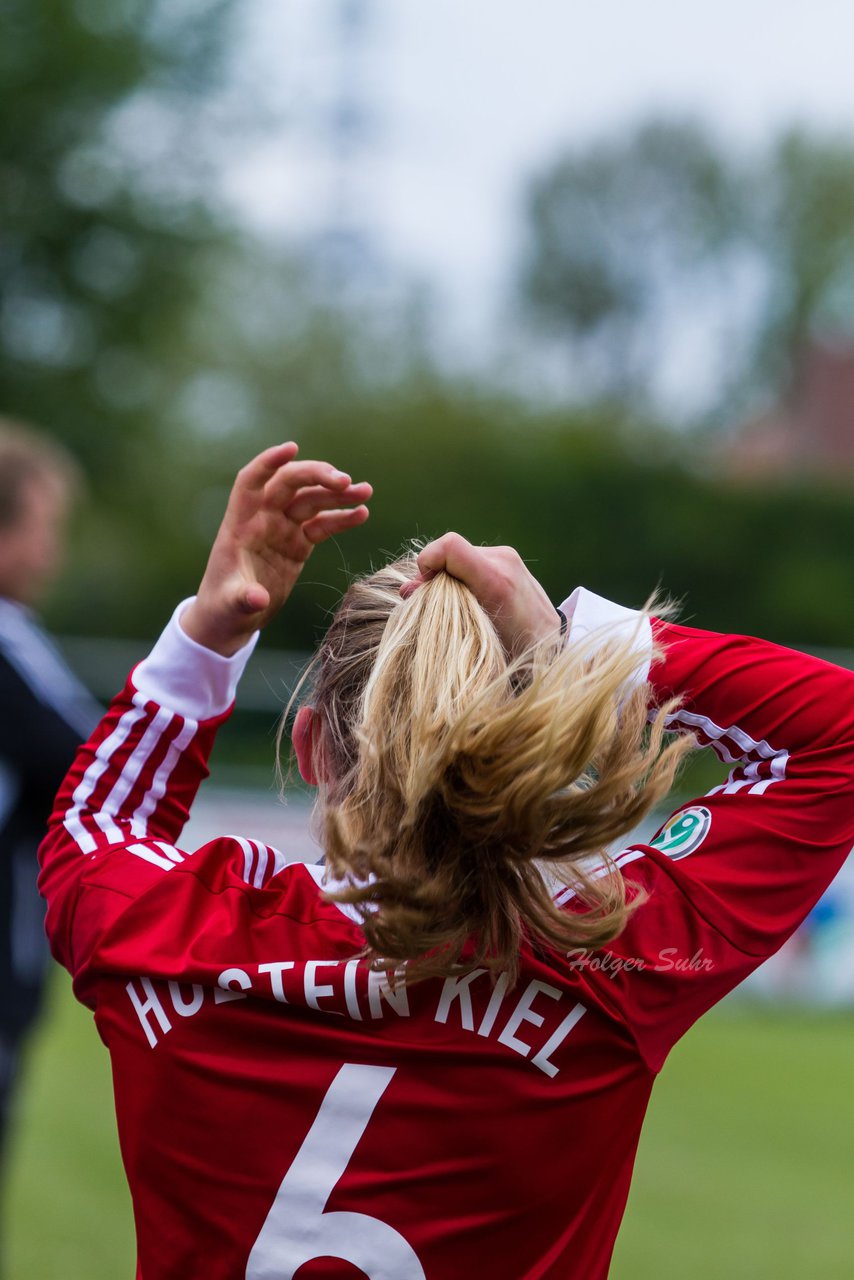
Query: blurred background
x=575, y=278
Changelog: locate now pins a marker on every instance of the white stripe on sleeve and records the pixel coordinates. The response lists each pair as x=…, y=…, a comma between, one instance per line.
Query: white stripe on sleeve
x=261, y=868
x=73, y=820
x=129, y=777
x=157, y=790
x=260, y=861
x=108, y=814
x=599, y=869
x=761, y=764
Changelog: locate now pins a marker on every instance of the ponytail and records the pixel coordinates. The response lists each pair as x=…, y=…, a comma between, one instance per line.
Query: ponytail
x=454, y=779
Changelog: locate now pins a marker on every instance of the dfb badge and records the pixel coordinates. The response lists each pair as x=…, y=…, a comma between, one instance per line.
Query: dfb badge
x=682, y=833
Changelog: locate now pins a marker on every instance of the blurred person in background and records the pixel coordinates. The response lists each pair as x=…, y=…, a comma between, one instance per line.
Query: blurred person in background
x=431, y=1057
x=44, y=714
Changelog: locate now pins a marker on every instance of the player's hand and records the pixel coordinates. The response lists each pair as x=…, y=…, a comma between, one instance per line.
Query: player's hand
x=519, y=607
x=278, y=511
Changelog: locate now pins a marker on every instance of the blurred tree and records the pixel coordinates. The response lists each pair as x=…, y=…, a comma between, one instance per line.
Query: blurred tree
x=612, y=228
x=104, y=243
x=165, y=348
x=586, y=496
x=661, y=250
x=803, y=235
x=136, y=321
x=101, y=239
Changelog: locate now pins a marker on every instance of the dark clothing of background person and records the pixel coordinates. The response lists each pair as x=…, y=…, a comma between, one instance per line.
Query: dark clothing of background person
x=44, y=714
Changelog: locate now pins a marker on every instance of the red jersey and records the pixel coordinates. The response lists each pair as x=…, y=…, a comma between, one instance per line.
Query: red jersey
x=284, y=1112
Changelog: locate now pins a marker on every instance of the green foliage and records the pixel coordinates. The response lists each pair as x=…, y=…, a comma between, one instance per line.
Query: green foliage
x=803, y=225
x=620, y=507
x=101, y=251
x=633, y=236
x=610, y=224
x=105, y=251
x=136, y=324
x=166, y=349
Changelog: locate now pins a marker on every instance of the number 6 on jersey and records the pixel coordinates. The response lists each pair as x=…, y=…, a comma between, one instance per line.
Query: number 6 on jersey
x=297, y=1229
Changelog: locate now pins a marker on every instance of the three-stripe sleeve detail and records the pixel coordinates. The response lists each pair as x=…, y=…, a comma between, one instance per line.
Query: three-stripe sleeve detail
x=759, y=765
x=122, y=787
x=599, y=868
x=260, y=861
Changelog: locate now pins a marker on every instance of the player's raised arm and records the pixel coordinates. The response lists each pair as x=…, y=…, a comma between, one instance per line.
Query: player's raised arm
x=131, y=785
x=279, y=510
x=733, y=873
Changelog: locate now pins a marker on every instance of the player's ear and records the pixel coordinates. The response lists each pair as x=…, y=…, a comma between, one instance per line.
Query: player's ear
x=305, y=728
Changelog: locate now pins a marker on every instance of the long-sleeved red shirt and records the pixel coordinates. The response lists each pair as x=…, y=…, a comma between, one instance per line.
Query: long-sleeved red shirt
x=283, y=1110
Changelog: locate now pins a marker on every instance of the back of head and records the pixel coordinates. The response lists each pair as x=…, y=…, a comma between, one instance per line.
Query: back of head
x=453, y=778
x=28, y=456
x=38, y=478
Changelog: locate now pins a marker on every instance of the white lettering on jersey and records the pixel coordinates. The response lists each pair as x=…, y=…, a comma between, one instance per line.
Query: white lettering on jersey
x=232, y=984
x=351, y=970
x=524, y=1013
x=499, y=991
x=275, y=971
x=458, y=989
x=557, y=1038
x=313, y=990
x=475, y=1005
x=145, y=1008
x=379, y=989
x=186, y=1008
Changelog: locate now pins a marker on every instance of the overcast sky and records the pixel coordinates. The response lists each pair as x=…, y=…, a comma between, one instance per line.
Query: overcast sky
x=470, y=96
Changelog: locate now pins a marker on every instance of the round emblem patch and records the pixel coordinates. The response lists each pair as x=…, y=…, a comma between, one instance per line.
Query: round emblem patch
x=682, y=833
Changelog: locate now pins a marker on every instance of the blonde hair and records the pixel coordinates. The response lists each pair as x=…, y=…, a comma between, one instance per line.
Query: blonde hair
x=451, y=777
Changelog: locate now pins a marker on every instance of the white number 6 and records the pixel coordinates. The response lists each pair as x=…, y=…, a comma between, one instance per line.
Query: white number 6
x=297, y=1229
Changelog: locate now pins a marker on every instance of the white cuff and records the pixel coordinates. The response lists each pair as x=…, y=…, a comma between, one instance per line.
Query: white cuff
x=588, y=614
x=187, y=678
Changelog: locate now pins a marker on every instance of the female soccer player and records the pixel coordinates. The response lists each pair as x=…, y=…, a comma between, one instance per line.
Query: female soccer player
x=431, y=1058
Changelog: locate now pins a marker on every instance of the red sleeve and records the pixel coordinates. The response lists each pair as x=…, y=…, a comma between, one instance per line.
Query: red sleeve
x=127, y=794
x=735, y=872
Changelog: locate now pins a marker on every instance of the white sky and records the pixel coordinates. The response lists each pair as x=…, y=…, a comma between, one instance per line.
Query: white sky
x=470, y=96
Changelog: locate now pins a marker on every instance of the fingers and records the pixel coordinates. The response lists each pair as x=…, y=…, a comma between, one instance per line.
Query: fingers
x=448, y=553
x=278, y=509
x=407, y=588
x=515, y=601
x=318, y=497
x=257, y=472
x=285, y=483
x=253, y=598
x=310, y=502
x=453, y=554
x=301, y=491
x=328, y=523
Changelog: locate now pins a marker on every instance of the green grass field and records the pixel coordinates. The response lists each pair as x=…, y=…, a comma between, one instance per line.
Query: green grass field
x=746, y=1167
